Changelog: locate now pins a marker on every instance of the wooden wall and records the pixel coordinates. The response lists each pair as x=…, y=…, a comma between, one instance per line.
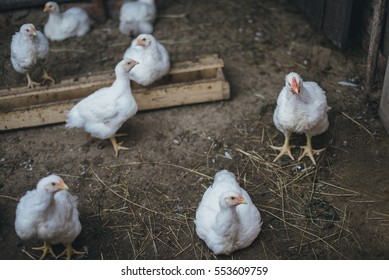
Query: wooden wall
x=345, y=22
x=361, y=21
x=330, y=16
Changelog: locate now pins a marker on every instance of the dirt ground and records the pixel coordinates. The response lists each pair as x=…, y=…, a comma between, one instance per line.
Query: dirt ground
x=141, y=205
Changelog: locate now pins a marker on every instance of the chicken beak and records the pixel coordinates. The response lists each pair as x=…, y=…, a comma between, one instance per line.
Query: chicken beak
x=296, y=90
x=295, y=86
x=63, y=186
x=46, y=9
x=241, y=200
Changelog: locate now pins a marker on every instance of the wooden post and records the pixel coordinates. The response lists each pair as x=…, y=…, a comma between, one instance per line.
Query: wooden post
x=374, y=46
x=384, y=104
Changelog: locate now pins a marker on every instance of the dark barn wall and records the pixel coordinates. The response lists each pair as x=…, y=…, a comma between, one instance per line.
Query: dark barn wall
x=95, y=8
x=361, y=20
x=346, y=22
x=330, y=16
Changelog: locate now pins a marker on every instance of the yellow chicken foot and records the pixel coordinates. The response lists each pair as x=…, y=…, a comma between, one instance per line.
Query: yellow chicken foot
x=69, y=251
x=31, y=83
x=117, y=146
x=308, y=151
x=285, y=149
x=46, y=248
x=46, y=77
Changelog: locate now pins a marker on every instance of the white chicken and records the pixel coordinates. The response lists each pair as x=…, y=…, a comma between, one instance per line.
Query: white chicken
x=49, y=213
x=60, y=26
x=226, y=219
x=153, y=59
x=301, y=108
x=137, y=17
x=28, y=48
x=103, y=112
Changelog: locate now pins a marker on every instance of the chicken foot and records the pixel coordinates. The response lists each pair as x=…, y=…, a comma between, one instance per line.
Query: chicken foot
x=46, y=77
x=308, y=150
x=117, y=146
x=30, y=82
x=69, y=251
x=284, y=150
x=46, y=248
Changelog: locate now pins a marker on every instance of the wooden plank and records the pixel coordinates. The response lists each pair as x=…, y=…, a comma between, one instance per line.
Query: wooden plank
x=203, y=63
x=79, y=87
x=20, y=97
x=180, y=95
x=30, y=117
x=20, y=108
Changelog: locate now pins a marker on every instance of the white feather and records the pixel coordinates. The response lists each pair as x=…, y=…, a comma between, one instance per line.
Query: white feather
x=226, y=229
x=305, y=112
x=27, y=50
x=153, y=60
x=103, y=112
x=74, y=22
x=51, y=217
x=137, y=17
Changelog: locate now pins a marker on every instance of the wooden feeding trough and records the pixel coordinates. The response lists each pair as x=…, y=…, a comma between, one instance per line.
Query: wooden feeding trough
x=188, y=82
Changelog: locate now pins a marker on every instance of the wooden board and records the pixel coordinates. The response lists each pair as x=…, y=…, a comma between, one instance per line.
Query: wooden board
x=188, y=82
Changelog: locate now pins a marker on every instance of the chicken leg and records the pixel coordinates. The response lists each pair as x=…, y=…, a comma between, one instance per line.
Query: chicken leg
x=46, y=248
x=46, y=77
x=69, y=251
x=31, y=83
x=117, y=146
x=308, y=150
x=285, y=149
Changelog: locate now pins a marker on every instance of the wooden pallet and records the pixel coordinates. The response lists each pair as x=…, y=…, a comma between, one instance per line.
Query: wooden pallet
x=188, y=82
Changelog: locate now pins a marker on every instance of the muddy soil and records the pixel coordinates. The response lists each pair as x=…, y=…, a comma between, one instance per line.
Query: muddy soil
x=141, y=204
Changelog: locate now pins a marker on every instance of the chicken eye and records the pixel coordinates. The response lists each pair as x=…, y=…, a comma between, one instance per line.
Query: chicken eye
x=50, y=6
x=28, y=30
x=144, y=39
x=53, y=184
x=233, y=197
